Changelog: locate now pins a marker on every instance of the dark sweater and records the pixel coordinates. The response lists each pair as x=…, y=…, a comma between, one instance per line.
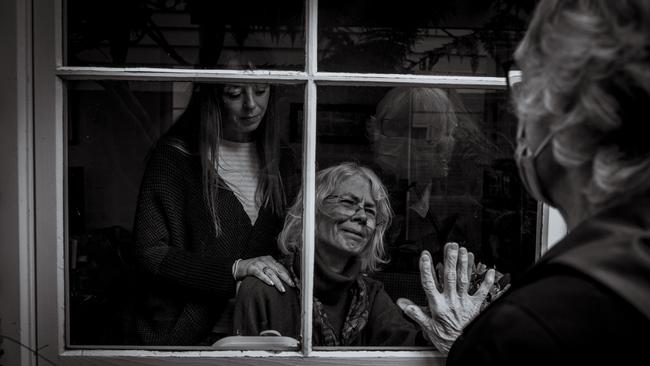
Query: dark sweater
x=261, y=307
x=185, y=269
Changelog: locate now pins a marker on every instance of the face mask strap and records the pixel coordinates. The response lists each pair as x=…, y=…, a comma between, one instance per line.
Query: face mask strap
x=521, y=141
x=527, y=170
x=544, y=142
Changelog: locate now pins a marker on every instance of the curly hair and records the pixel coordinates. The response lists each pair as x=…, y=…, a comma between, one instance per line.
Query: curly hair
x=586, y=68
x=290, y=239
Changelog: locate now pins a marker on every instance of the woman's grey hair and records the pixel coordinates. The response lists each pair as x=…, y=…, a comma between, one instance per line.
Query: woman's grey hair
x=586, y=68
x=290, y=239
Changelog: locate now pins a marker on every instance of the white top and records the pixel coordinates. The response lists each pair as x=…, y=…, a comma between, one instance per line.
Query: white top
x=238, y=167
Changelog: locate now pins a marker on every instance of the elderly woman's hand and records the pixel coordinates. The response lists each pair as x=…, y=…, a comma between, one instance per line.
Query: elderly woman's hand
x=452, y=309
x=266, y=269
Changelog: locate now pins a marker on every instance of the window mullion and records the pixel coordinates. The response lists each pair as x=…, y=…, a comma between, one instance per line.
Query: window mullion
x=309, y=199
x=167, y=74
x=309, y=177
x=389, y=80
x=311, y=37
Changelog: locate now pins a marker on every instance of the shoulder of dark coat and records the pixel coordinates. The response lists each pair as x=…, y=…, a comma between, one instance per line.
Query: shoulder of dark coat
x=255, y=288
x=374, y=286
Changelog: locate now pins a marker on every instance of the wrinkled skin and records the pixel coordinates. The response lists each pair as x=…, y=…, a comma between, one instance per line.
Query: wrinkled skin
x=266, y=269
x=451, y=308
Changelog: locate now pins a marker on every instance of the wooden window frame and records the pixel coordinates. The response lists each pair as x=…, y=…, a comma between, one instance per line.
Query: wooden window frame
x=48, y=272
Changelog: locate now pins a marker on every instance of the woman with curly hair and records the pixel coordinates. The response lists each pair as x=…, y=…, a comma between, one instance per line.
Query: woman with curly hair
x=350, y=308
x=583, y=148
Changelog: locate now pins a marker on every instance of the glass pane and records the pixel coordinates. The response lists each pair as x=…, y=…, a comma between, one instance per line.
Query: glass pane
x=445, y=158
x=184, y=33
x=146, y=266
x=421, y=37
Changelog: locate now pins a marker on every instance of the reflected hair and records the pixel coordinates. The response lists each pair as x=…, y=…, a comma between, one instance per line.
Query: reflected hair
x=586, y=68
x=290, y=239
x=444, y=105
x=399, y=104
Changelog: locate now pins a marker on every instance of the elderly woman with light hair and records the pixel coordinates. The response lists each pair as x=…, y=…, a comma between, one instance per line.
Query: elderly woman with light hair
x=350, y=308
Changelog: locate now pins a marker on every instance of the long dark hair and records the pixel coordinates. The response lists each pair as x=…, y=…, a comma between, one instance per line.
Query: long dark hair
x=201, y=124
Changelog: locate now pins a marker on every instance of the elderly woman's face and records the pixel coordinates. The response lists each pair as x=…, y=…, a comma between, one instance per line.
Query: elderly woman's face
x=244, y=106
x=347, y=219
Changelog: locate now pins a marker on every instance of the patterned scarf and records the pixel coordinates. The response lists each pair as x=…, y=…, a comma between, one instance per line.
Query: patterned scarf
x=355, y=320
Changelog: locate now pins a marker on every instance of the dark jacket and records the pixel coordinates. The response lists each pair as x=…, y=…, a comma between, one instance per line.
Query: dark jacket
x=587, y=301
x=261, y=307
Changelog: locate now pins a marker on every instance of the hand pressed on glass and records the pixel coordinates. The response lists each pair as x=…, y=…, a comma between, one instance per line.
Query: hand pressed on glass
x=452, y=309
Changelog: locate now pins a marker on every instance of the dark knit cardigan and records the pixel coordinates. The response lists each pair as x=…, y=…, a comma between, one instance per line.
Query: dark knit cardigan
x=185, y=277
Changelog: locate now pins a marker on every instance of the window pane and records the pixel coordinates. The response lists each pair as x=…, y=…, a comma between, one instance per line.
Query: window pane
x=184, y=34
x=145, y=265
x=445, y=156
x=420, y=37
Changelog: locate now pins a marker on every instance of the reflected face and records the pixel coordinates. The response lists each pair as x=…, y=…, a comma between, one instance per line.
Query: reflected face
x=436, y=143
x=427, y=139
x=346, y=221
x=244, y=106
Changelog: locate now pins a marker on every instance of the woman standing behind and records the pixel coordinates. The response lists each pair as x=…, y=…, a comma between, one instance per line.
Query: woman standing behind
x=209, y=209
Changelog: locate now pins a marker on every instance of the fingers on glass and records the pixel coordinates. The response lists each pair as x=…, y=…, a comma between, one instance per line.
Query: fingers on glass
x=427, y=277
x=440, y=275
x=451, y=259
x=413, y=311
x=470, y=265
x=487, y=284
x=462, y=271
x=404, y=304
x=418, y=315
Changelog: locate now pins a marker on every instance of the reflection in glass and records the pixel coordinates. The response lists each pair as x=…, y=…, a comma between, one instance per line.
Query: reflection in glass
x=421, y=37
x=184, y=33
x=445, y=156
x=150, y=261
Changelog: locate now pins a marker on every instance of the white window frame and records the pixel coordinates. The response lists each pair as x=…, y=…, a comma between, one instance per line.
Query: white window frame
x=49, y=237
